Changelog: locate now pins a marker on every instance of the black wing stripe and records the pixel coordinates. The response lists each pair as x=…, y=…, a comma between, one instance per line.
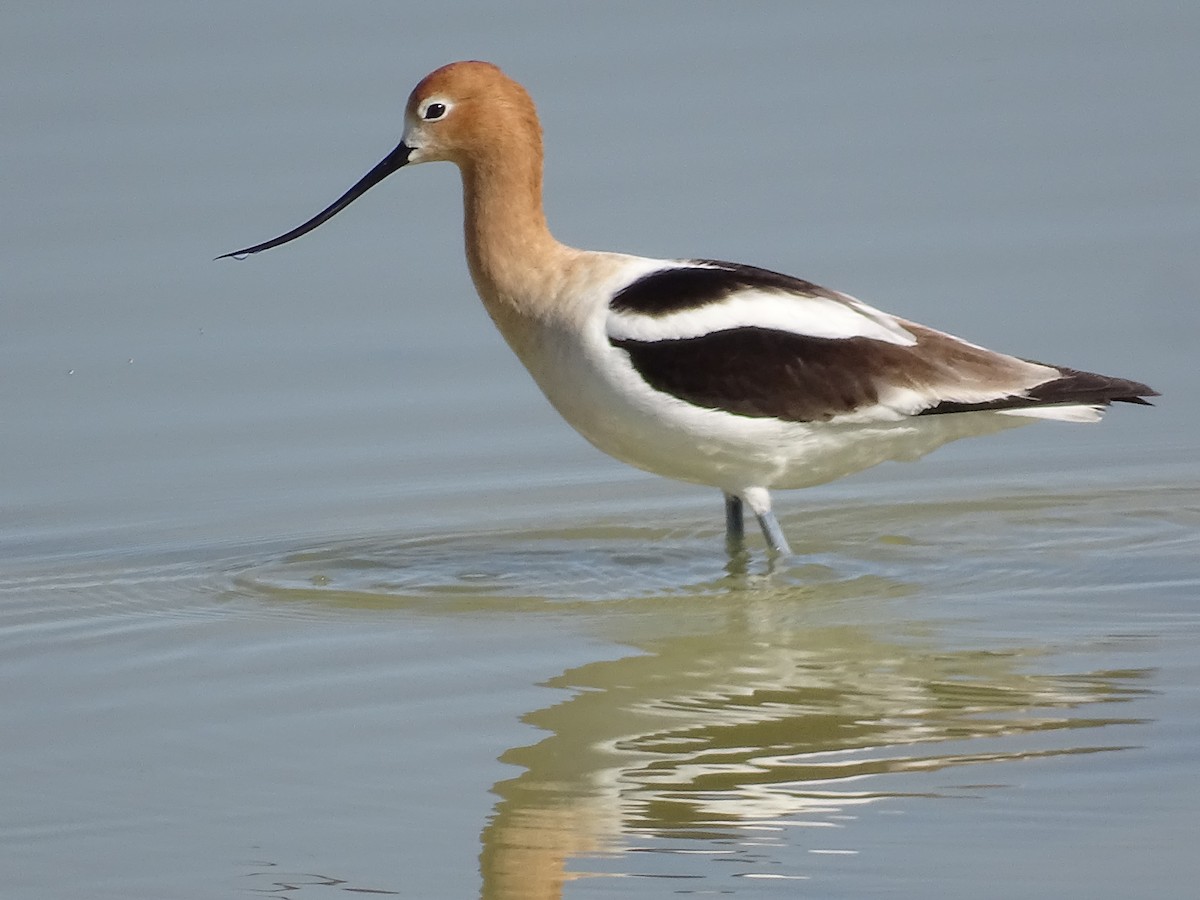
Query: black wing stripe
x=674, y=290
x=762, y=373
x=1073, y=387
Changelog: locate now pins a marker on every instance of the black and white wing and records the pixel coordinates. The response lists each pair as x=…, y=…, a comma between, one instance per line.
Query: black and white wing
x=757, y=343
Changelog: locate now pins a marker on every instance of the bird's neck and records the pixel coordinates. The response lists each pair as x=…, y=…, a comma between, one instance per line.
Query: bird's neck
x=513, y=257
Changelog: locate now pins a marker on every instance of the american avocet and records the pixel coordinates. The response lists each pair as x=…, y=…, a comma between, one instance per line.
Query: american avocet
x=704, y=371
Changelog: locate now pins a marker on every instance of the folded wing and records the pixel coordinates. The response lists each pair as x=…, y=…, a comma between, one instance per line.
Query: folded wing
x=757, y=343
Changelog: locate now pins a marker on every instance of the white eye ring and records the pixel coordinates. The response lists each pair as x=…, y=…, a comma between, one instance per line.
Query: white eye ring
x=434, y=110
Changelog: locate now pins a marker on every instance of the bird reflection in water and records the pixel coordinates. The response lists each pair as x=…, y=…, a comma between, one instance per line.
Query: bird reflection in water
x=730, y=738
x=749, y=707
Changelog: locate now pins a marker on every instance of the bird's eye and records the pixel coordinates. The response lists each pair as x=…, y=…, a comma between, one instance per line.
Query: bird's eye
x=435, y=111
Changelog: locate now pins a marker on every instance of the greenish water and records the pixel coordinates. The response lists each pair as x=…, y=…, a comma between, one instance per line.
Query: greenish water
x=305, y=592
x=934, y=693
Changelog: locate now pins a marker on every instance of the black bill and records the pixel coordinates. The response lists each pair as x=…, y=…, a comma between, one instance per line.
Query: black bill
x=386, y=167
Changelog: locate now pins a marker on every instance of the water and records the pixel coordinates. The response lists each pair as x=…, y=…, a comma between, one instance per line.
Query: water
x=305, y=592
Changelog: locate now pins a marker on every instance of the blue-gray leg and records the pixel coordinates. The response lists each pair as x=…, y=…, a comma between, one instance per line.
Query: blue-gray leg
x=735, y=532
x=774, y=534
x=760, y=503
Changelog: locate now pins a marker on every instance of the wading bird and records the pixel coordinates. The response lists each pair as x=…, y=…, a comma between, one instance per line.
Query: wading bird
x=709, y=372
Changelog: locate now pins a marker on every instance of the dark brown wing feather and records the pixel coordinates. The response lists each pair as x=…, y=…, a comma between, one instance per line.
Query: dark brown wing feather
x=1073, y=387
x=762, y=373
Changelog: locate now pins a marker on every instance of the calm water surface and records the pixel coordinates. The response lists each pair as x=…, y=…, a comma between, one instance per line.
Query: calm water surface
x=305, y=592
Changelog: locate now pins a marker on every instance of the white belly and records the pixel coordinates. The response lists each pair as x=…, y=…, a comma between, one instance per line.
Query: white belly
x=595, y=388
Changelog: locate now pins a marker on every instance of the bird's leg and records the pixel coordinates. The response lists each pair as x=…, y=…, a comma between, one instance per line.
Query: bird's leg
x=735, y=532
x=773, y=533
x=760, y=503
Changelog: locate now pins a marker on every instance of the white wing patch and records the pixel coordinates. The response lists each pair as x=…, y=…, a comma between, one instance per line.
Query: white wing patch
x=778, y=310
x=1077, y=413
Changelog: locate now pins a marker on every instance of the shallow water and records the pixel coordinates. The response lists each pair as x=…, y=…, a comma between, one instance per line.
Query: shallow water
x=305, y=591
x=1010, y=680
